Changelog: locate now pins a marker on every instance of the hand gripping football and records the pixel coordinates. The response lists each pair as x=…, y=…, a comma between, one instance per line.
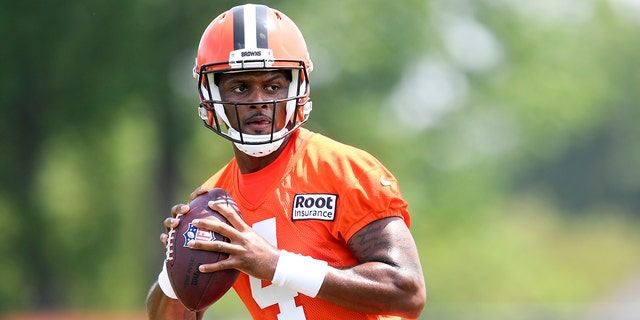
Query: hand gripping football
x=194, y=289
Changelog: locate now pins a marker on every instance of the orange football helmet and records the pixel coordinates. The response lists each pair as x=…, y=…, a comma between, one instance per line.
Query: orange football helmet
x=252, y=38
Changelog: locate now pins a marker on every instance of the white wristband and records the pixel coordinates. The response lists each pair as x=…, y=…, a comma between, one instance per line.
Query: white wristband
x=300, y=273
x=165, y=283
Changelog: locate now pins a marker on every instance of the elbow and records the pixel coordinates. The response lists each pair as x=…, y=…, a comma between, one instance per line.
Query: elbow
x=415, y=304
x=415, y=298
x=418, y=302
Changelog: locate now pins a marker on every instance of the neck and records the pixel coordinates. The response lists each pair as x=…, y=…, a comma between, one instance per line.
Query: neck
x=249, y=164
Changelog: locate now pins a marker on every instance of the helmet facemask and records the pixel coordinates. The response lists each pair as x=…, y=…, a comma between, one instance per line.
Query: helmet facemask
x=212, y=111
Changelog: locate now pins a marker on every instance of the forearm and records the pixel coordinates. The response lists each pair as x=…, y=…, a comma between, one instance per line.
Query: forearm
x=161, y=307
x=376, y=287
x=388, y=278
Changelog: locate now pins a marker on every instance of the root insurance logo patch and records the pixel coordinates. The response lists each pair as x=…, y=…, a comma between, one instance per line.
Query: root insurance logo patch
x=314, y=206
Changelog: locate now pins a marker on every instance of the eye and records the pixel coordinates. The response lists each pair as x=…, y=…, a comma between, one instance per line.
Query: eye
x=240, y=89
x=273, y=87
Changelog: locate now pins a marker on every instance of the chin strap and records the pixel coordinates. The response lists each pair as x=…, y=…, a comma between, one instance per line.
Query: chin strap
x=256, y=145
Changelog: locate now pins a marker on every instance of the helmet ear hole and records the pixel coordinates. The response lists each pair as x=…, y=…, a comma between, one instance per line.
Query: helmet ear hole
x=206, y=116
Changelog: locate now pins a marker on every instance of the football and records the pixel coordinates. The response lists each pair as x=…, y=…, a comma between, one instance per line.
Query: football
x=194, y=289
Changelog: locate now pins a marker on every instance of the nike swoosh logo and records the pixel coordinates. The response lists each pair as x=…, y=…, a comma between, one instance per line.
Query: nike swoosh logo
x=385, y=182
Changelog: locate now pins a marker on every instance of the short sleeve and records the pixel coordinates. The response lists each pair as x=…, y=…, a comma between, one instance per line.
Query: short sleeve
x=374, y=194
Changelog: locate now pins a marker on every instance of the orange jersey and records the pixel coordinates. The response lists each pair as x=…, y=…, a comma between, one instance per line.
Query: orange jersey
x=311, y=200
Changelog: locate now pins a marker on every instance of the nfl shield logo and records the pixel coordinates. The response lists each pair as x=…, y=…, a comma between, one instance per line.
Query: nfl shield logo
x=194, y=233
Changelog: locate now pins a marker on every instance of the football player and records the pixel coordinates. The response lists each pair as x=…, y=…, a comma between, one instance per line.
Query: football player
x=324, y=232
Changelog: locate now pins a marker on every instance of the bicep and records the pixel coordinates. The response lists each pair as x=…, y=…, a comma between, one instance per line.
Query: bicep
x=387, y=240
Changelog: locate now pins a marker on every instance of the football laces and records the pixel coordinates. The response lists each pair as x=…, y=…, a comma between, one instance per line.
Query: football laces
x=170, y=240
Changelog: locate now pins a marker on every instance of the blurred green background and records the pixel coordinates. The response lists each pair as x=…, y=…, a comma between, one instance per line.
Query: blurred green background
x=511, y=125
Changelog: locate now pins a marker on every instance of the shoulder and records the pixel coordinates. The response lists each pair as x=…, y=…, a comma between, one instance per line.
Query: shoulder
x=323, y=149
x=331, y=162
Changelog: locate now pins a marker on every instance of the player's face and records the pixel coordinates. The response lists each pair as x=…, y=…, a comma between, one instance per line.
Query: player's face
x=259, y=88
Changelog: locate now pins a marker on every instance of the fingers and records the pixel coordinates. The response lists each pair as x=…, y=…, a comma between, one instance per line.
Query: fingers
x=217, y=266
x=198, y=191
x=176, y=210
x=164, y=238
x=179, y=209
x=172, y=222
x=217, y=246
x=230, y=213
x=169, y=223
x=217, y=227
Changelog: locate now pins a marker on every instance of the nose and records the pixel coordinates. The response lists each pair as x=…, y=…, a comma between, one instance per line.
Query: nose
x=259, y=99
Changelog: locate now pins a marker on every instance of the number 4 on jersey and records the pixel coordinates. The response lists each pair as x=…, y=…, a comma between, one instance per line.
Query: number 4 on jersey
x=273, y=294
